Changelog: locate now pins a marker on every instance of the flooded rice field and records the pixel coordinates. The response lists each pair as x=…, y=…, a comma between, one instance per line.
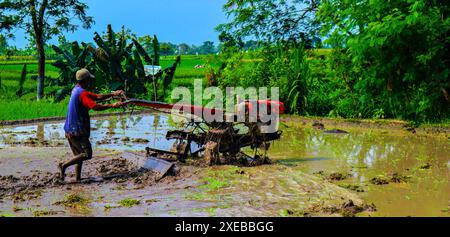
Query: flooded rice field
x=118, y=133
x=361, y=171
x=402, y=173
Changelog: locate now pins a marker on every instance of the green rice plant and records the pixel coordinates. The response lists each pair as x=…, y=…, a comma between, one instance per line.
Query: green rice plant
x=22, y=80
x=128, y=202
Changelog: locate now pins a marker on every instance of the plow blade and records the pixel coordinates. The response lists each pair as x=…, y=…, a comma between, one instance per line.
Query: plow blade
x=158, y=165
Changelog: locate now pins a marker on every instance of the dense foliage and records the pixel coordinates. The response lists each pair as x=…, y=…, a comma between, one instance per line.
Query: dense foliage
x=281, y=66
x=398, y=56
x=272, y=21
x=388, y=59
x=343, y=58
x=117, y=61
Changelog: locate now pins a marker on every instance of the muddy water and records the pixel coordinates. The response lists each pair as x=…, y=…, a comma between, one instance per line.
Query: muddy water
x=115, y=133
x=363, y=154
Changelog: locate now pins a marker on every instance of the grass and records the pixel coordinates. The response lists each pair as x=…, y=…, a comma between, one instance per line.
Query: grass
x=14, y=108
x=17, y=208
x=42, y=213
x=26, y=107
x=74, y=201
x=128, y=202
x=7, y=215
x=214, y=181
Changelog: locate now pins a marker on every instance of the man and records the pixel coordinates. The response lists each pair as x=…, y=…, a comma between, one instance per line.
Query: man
x=78, y=125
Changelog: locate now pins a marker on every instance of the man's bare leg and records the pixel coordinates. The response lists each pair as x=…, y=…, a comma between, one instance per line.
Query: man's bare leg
x=62, y=171
x=78, y=168
x=76, y=160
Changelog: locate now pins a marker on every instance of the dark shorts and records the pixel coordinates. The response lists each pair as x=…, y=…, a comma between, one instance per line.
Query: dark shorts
x=80, y=145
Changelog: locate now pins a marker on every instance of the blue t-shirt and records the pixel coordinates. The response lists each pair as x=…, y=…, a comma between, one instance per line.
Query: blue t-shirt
x=78, y=122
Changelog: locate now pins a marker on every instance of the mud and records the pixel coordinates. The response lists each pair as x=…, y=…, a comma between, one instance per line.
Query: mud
x=336, y=131
x=415, y=166
x=380, y=180
x=426, y=166
x=403, y=171
x=140, y=140
x=353, y=187
x=349, y=209
x=340, y=124
x=115, y=185
x=346, y=209
x=399, y=178
x=336, y=176
x=116, y=169
x=319, y=126
x=73, y=201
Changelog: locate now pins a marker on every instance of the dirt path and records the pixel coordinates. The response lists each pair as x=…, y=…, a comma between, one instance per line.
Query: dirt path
x=29, y=186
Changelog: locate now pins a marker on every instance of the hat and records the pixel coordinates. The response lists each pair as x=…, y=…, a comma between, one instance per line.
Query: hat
x=83, y=74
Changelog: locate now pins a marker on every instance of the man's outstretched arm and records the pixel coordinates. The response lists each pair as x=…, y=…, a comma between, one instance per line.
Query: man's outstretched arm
x=107, y=96
x=88, y=101
x=100, y=107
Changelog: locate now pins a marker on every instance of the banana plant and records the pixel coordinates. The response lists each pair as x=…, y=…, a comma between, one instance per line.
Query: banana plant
x=80, y=57
x=169, y=73
x=150, y=60
x=166, y=75
x=118, y=64
x=72, y=62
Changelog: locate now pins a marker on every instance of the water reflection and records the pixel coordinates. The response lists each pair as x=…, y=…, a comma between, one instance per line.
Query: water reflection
x=106, y=133
x=366, y=154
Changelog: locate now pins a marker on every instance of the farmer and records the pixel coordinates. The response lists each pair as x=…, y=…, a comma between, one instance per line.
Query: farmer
x=78, y=125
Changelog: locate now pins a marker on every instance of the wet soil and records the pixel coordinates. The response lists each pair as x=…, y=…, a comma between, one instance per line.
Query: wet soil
x=23, y=170
x=338, y=126
x=334, y=168
x=403, y=172
x=115, y=185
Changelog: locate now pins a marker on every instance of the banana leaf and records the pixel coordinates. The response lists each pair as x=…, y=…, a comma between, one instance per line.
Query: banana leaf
x=76, y=50
x=62, y=93
x=139, y=65
x=143, y=53
x=69, y=58
x=156, y=48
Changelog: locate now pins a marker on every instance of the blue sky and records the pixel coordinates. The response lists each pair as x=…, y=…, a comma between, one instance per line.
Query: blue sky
x=177, y=21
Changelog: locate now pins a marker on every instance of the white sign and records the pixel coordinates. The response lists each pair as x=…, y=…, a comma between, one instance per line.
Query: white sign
x=151, y=70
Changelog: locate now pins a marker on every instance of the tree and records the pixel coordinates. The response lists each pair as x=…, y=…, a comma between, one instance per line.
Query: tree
x=7, y=21
x=207, y=48
x=272, y=20
x=43, y=19
x=63, y=43
x=398, y=52
x=184, y=48
x=167, y=49
x=251, y=45
x=3, y=45
x=147, y=43
x=228, y=41
x=193, y=49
